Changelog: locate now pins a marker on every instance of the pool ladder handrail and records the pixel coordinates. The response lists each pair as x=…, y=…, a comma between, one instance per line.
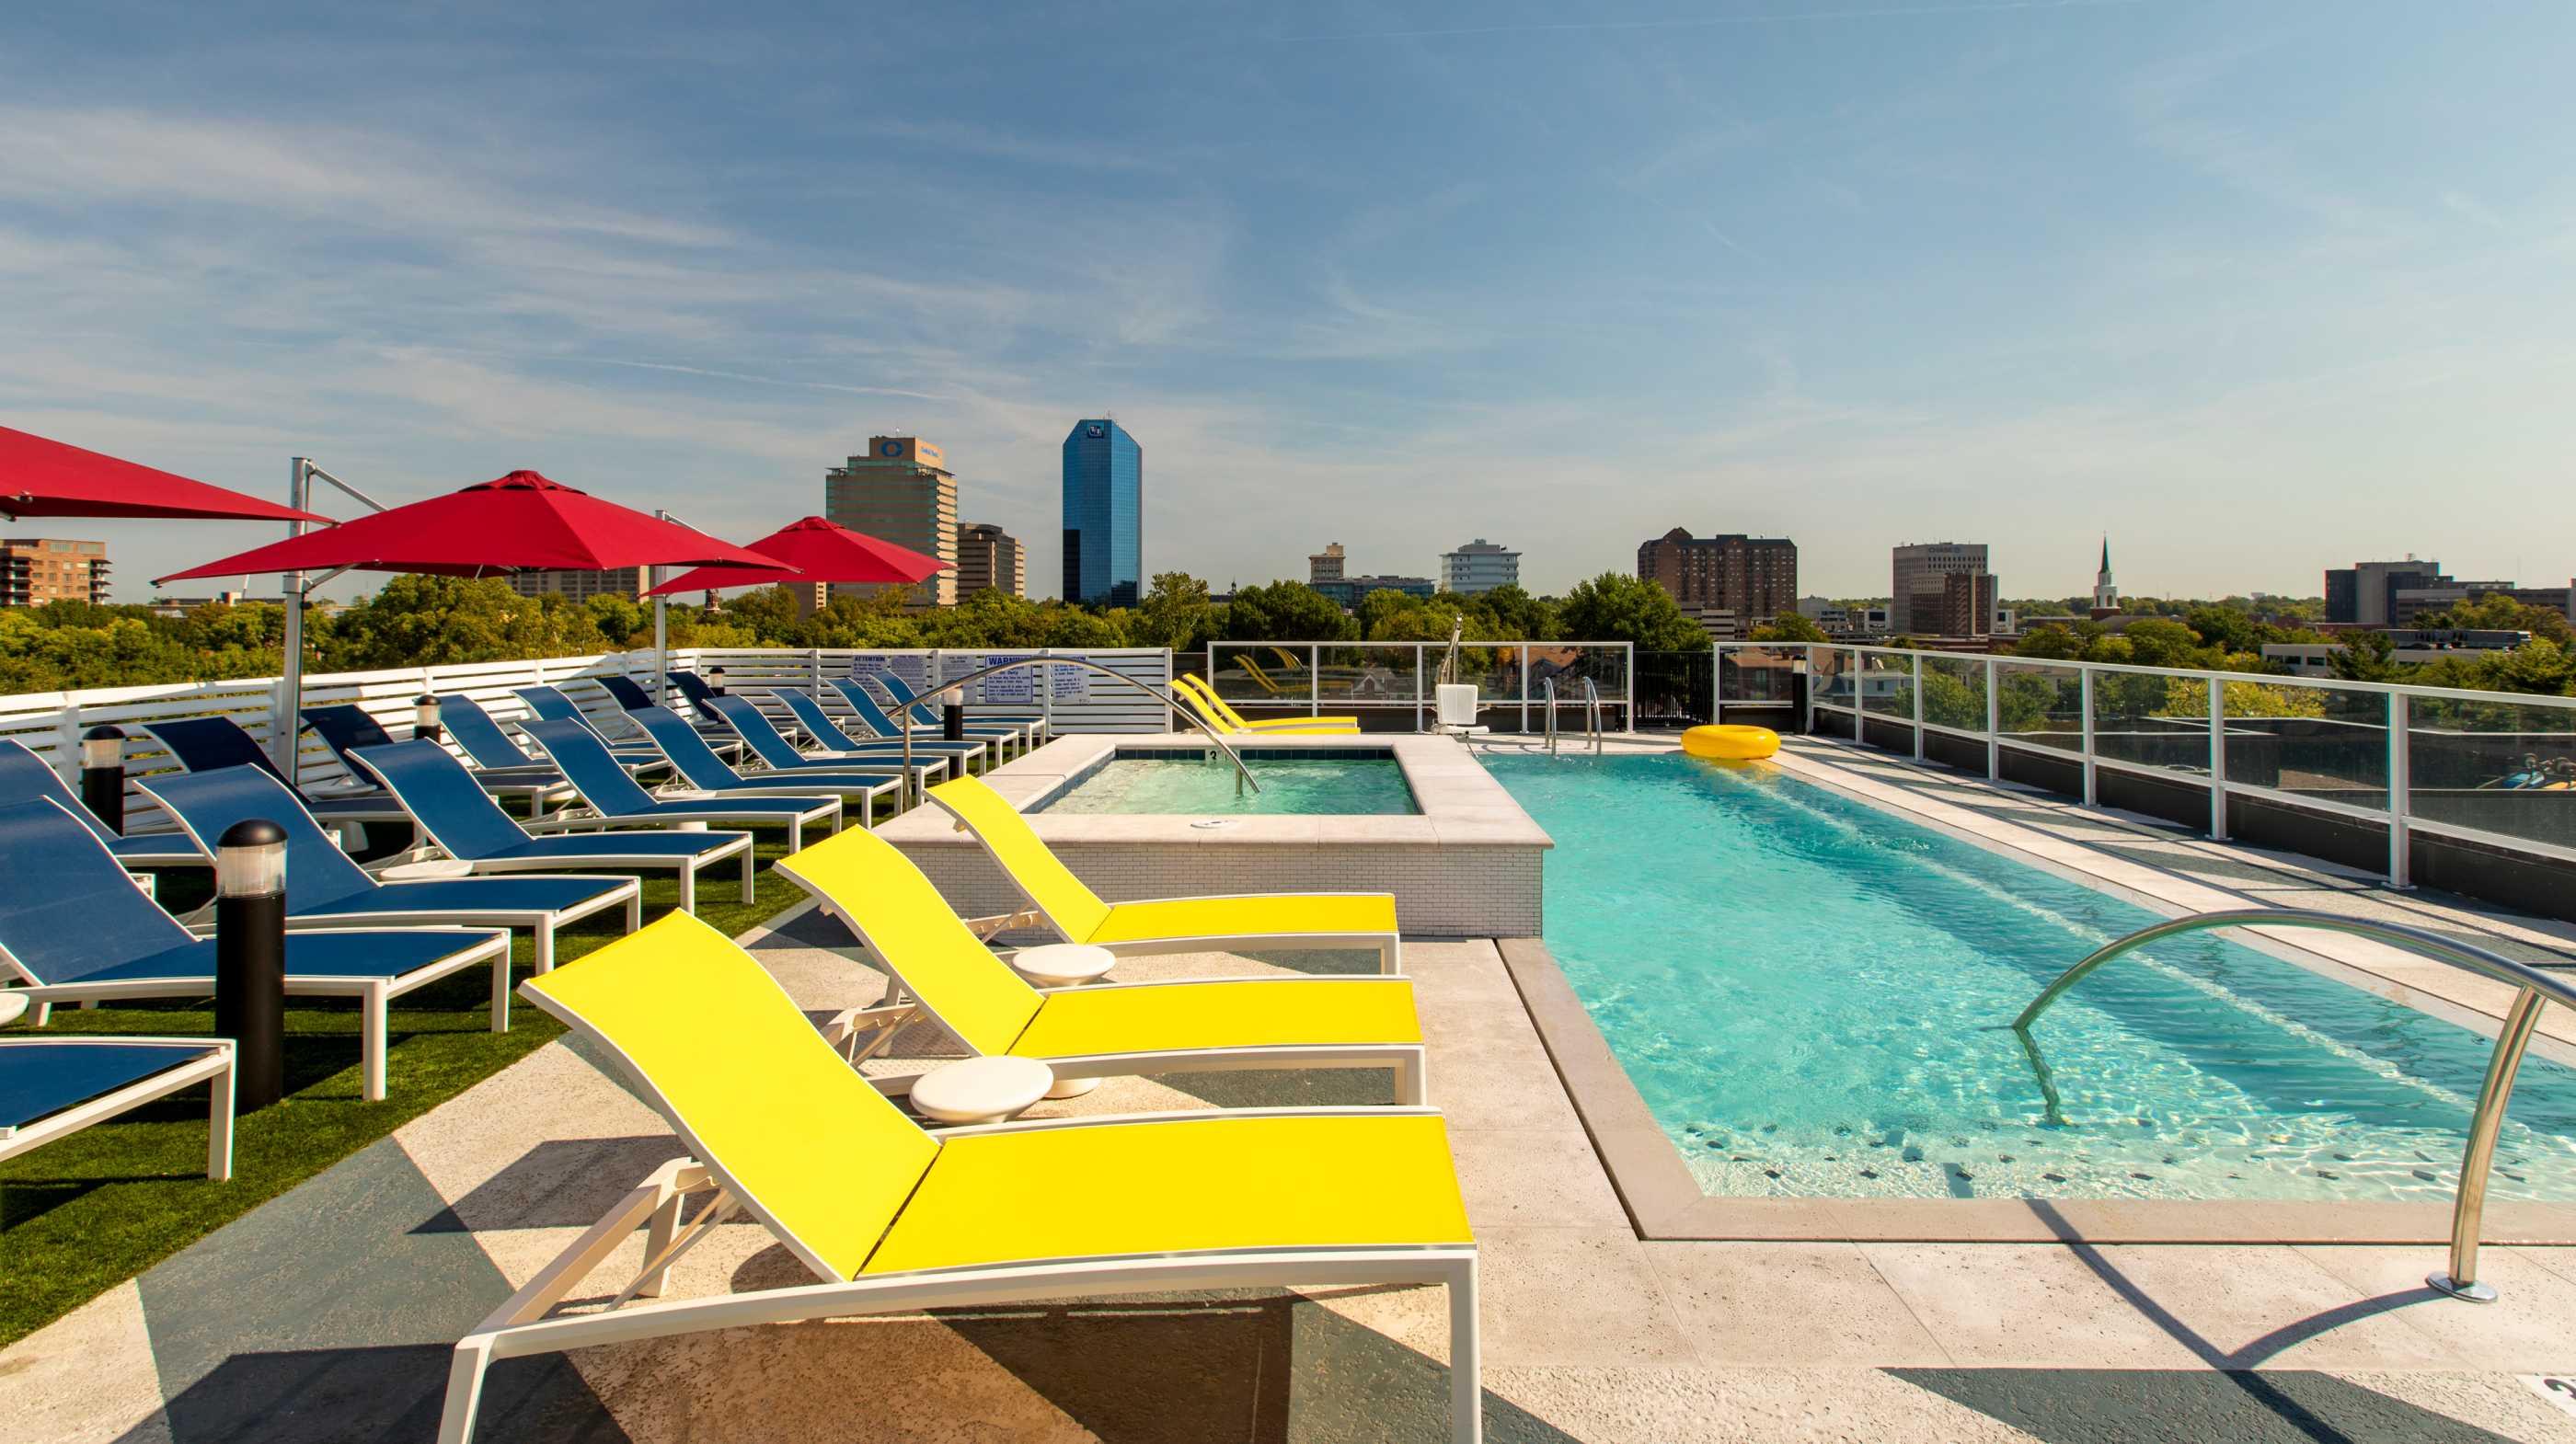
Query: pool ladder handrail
x=1592, y=714
x=2536, y=989
x=910, y=791
x=1547, y=721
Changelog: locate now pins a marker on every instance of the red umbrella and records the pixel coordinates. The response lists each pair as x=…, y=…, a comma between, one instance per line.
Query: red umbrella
x=47, y=478
x=815, y=550
x=520, y=522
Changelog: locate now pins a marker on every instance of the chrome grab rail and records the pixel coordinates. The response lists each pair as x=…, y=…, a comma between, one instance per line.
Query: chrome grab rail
x=1547, y=689
x=912, y=782
x=1592, y=713
x=2537, y=989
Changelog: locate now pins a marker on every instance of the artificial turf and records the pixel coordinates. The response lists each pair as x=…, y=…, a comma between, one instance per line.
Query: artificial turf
x=85, y=1213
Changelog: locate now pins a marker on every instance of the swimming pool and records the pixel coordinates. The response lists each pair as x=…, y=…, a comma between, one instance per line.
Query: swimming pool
x=1343, y=780
x=1808, y=993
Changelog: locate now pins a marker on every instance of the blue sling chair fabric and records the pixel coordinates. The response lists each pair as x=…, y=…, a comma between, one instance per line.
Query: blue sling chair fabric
x=774, y=750
x=874, y=716
x=74, y=928
x=345, y=727
x=468, y=826
x=212, y=744
x=325, y=888
x=832, y=737
x=25, y=777
x=615, y=797
x=702, y=769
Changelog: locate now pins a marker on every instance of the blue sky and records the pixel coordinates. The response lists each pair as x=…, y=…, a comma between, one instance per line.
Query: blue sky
x=2256, y=287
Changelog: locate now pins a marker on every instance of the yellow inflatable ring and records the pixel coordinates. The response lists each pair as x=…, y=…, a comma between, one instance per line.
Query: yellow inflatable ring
x=1731, y=742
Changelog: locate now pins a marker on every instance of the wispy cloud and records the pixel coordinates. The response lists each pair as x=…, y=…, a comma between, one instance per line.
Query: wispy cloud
x=1708, y=22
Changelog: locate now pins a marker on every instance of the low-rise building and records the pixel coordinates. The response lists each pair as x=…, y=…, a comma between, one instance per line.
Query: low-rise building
x=1348, y=592
x=2414, y=645
x=580, y=585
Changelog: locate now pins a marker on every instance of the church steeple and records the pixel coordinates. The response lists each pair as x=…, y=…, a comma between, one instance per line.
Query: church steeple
x=2106, y=595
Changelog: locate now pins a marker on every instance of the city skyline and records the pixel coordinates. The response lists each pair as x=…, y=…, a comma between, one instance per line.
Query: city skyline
x=2240, y=285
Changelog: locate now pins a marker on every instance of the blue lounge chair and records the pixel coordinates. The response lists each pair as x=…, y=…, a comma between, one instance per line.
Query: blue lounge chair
x=75, y=929
x=1033, y=725
x=346, y=727
x=488, y=742
x=874, y=716
x=551, y=704
x=469, y=827
x=211, y=744
x=50, y=1087
x=325, y=889
x=773, y=749
x=704, y=771
x=629, y=694
x=833, y=739
x=24, y=777
x=692, y=686
x=617, y=799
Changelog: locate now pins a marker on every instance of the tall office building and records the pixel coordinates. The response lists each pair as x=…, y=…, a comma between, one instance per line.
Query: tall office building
x=579, y=585
x=1325, y=565
x=1104, y=514
x=1753, y=577
x=2365, y=593
x=1917, y=596
x=36, y=570
x=989, y=560
x=899, y=492
x=1479, y=566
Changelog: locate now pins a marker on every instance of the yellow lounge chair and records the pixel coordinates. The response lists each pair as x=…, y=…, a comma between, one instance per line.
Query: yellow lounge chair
x=1163, y=925
x=1208, y=695
x=1107, y=1030
x=1203, y=703
x=892, y=1219
x=1261, y=678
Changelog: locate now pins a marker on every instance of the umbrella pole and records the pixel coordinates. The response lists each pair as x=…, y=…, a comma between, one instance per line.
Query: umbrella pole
x=661, y=630
x=283, y=725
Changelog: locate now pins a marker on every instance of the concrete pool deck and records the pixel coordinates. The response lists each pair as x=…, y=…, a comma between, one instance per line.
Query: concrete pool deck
x=326, y=1314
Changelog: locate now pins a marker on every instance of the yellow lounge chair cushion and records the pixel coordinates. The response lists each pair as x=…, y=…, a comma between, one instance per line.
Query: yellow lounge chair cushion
x=1242, y=1013
x=1255, y=916
x=1180, y=1186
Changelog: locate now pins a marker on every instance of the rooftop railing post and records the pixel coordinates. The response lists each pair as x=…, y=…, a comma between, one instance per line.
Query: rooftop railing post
x=1524, y=689
x=1918, y=706
x=1417, y=686
x=2401, y=841
x=2217, y=757
x=2092, y=776
x=1858, y=710
x=1314, y=680
x=1994, y=721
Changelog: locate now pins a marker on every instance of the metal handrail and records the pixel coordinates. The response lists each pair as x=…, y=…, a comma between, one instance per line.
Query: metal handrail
x=1547, y=689
x=1592, y=713
x=911, y=782
x=2537, y=989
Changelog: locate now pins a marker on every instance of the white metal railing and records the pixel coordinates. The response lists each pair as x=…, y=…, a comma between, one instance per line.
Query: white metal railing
x=2476, y=766
x=50, y=724
x=1397, y=676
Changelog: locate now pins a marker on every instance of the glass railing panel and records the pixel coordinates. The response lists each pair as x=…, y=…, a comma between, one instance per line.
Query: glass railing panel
x=2494, y=764
x=1829, y=676
x=2039, y=704
x=1954, y=693
x=2320, y=741
x=1887, y=685
x=1369, y=674
x=2151, y=721
x=1259, y=674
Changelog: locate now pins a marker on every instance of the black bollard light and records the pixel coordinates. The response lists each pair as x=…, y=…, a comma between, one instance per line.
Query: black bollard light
x=715, y=680
x=250, y=958
x=102, y=754
x=952, y=722
x=424, y=718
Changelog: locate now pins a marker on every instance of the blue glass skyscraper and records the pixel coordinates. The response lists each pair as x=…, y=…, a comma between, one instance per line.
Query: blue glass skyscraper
x=1104, y=515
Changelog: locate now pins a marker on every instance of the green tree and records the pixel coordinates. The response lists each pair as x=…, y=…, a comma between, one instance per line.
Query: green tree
x=1286, y=612
x=1514, y=615
x=1614, y=607
x=2365, y=657
x=1792, y=627
x=1176, y=613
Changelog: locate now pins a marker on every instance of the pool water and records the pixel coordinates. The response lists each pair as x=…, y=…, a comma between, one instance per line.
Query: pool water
x=1810, y=994
x=1355, y=781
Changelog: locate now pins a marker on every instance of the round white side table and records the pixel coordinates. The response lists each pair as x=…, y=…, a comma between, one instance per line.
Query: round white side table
x=1065, y=965
x=980, y=1090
